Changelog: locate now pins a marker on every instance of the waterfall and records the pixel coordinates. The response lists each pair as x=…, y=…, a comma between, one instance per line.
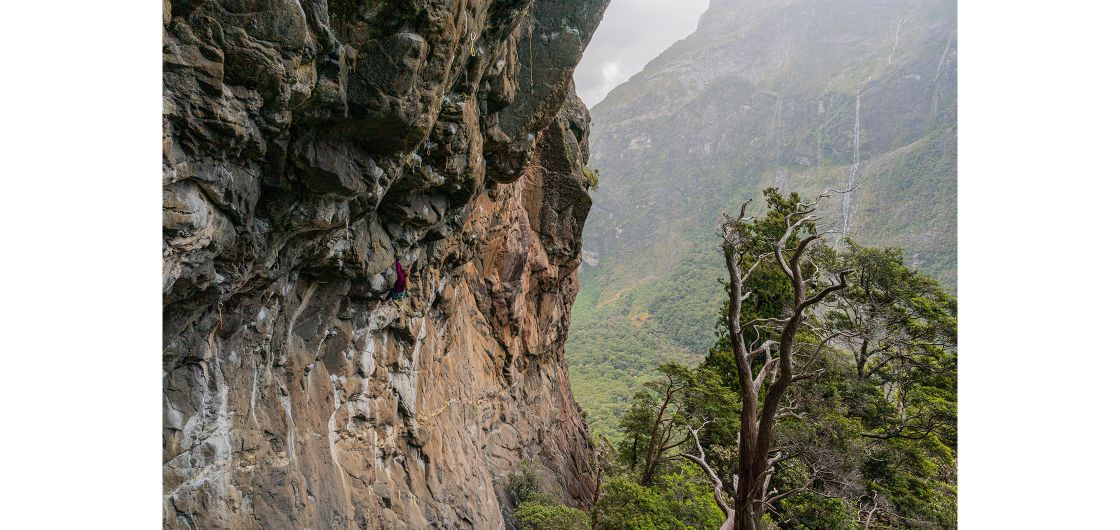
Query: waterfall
x=846, y=204
x=894, y=47
x=780, y=178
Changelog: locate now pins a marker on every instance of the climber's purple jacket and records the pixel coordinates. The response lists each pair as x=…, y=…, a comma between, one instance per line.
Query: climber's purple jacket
x=399, y=285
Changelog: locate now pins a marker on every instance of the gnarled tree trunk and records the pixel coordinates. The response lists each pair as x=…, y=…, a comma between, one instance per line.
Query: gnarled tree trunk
x=755, y=464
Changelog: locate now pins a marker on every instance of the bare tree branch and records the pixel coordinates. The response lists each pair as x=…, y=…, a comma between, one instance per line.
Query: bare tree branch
x=717, y=484
x=827, y=290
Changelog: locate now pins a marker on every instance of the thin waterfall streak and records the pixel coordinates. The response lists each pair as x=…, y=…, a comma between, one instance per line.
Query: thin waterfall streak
x=846, y=204
x=894, y=47
x=944, y=55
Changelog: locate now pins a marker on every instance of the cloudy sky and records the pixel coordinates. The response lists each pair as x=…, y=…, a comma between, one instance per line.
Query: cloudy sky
x=632, y=33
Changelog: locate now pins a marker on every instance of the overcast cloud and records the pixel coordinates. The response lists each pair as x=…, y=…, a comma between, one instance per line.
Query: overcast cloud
x=633, y=32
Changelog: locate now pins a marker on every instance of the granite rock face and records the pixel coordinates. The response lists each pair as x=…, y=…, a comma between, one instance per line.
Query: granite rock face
x=309, y=144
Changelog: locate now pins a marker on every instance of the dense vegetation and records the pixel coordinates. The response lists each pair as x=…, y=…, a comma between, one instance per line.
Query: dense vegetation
x=864, y=432
x=629, y=343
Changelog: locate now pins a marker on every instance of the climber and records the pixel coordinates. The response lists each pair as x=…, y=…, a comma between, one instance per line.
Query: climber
x=400, y=286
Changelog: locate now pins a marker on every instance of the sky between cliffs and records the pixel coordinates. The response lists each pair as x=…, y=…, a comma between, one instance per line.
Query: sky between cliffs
x=632, y=33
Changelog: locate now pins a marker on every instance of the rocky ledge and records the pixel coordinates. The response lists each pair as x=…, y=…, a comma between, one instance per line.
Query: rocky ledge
x=308, y=146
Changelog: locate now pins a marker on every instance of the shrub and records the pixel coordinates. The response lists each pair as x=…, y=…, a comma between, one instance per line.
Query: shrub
x=525, y=483
x=679, y=500
x=625, y=505
x=537, y=515
x=592, y=178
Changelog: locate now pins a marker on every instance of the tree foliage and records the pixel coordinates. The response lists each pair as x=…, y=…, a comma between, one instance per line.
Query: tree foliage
x=538, y=515
x=677, y=499
x=655, y=428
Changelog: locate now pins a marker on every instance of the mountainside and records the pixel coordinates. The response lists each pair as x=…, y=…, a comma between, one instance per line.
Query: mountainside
x=308, y=146
x=805, y=95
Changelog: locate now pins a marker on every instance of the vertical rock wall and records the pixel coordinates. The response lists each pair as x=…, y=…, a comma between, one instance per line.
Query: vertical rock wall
x=308, y=144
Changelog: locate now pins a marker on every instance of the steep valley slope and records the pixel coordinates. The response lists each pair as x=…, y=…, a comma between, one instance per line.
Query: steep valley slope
x=308, y=146
x=805, y=95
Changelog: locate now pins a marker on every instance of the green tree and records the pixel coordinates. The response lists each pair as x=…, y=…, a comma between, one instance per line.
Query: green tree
x=657, y=426
x=766, y=367
x=679, y=499
x=900, y=327
x=626, y=505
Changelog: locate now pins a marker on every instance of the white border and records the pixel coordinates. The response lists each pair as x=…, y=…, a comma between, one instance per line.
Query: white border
x=80, y=143
x=80, y=146
x=1038, y=191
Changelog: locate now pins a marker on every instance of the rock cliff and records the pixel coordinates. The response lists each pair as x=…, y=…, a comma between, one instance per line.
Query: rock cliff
x=310, y=144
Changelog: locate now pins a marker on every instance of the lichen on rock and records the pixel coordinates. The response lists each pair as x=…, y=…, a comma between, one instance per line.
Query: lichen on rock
x=309, y=145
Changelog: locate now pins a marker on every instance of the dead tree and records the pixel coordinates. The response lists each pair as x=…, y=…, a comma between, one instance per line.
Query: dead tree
x=756, y=464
